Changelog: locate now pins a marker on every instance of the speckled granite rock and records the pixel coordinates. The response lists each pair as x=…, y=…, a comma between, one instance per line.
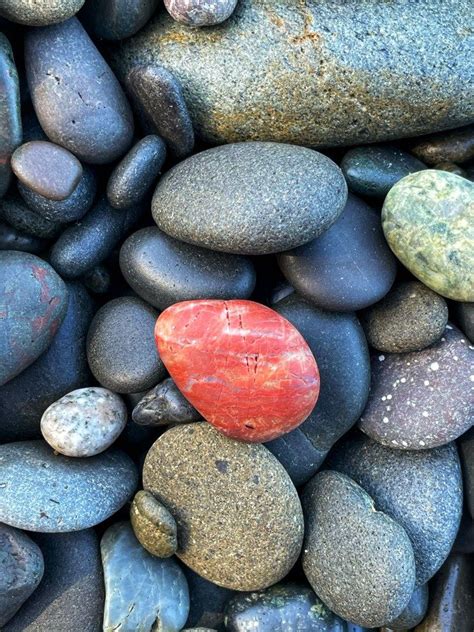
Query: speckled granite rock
x=454, y=146
x=421, y=490
x=428, y=220
x=247, y=534
x=45, y=492
x=39, y=12
x=359, y=561
x=414, y=612
x=14, y=211
x=420, y=400
x=21, y=570
x=164, y=405
x=250, y=198
x=318, y=73
x=10, y=134
x=142, y=592
x=466, y=449
x=410, y=318
x=153, y=525
x=116, y=19
x=200, y=12
x=13, y=239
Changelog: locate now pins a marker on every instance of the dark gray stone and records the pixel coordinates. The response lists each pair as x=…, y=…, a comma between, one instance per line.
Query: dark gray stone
x=33, y=300
x=21, y=570
x=71, y=594
x=79, y=105
x=466, y=449
x=454, y=146
x=164, y=405
x=348, y=267
x=98, y=280
x=13, y=239
x=142, y=592
x=207, y=602
x=414, y=612
x=116, y=19
x=339, y=346
x=164, y=271
x=358, y=561
x=421, y=490
x=39, y=13
x=464, y=313
x=200, y=12
x=250, y=198
x=372, y=171
x=10, y=121
x=14, y=211
x=122, y=357
x=47, y=492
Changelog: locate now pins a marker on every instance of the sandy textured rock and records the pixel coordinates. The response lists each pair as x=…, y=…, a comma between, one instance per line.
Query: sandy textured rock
x=153, y=525
x=39, y=12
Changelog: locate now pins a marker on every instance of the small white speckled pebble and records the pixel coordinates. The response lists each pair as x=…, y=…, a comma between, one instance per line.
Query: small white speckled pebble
x=84, y=422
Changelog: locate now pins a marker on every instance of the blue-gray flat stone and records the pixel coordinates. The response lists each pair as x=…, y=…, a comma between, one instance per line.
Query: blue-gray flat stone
x=10, y=121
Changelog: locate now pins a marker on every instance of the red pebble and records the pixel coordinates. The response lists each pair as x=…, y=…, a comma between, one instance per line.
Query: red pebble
x=244, y=367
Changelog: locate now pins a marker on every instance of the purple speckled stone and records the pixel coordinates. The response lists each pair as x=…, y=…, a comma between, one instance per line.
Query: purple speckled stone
x=200, y=12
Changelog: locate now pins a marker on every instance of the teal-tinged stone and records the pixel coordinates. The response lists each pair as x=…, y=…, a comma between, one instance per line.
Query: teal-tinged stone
x=142, y=592
x=10, y=121
x=428, y=221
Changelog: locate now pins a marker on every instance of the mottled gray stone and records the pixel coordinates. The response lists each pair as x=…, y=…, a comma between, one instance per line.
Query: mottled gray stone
x=422, y=399
x=79, y=105
x=200, y=12
x=10, y=128
x=14, y=211
x=318, y=72
x=250, y=198
x=39, y=12
x=164, y=271
x=21, y=570
x=142, y=592
x=45, y=492
x=414, y=612
x=454, y=146
x=359, y=561
x=13, y=239
x=164, y=405
x=421, y=490
x=98, y=280
x=153, y=525
x=124, y=358
x=116, y=19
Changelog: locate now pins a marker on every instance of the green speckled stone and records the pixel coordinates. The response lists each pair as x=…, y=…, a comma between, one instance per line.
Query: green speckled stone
x=428, y=221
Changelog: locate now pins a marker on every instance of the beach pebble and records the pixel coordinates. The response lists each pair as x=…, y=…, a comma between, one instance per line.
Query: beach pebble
x=200, y=12
x=39, y=12
x=15, y=212
x=153, y=525
x=207, y=602
x=116, y=19
x=466, y=450
x=164, y=405
x=456, y=145
x=10, y=116
x=414, y=613
x=13, y=239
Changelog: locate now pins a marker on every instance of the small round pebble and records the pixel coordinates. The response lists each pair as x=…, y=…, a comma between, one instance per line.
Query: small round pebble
x=84, y=422
x=164, y=405
x=456, y=145
x=410, y=318
x=200, y=12
x=39, y=12
x=154, y=526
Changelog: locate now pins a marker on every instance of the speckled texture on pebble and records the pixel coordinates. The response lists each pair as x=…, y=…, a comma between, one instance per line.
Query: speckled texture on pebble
x=200, y=12
x=39, y=12
x=13, y=239
x=466, y=450
x=15, y=212
x=454, y=146
x=153, y=525
x=422, y=399
x=164, y=405
x=414, y=612
x=10, y=119
x=116, y=19
x=240, y=523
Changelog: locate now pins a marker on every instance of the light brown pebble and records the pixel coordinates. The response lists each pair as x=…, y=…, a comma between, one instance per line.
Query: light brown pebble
x=154, y=526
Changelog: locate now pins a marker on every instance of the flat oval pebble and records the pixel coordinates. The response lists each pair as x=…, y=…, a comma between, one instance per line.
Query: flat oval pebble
x=250, y=198
x=410, y=318
x=47, y=169
x=200, y=12
x=39, y=12
x=163, y=405
x=33, y=303
x=45, y=492
x=247, y=534
x=80, y=106
x=122, y=359
x=142, y=592
x=84, y=422
x=10, y=116
x=164, y=271
x=346, y=268
x=456, y=145
x=422, y=399
x=414, y=613
x=153, y=525
x=14, y=211
x=421, y=490
x=116, y=19
x=13, y=239
x=428, y=221
x=359, y=561
x=261, y=380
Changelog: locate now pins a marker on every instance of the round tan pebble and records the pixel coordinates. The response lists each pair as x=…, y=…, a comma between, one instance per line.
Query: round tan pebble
x=154, y=526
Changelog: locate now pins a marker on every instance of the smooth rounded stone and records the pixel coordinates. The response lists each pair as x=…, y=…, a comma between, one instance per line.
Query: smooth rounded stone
x=71, y=209
x=422, y=399
x=124, y=358
x=46, y=169
x=456, y=146
x=164, y=405
x=410, y=318
x=116, y=19
x=98, y=280
x=207, y=602
x=428, y=221
x=414, y=612
x=71, y=593
x=346, y=268
x=464, y=313
x=245, y=535
x=153, y=525
x=281, y=608
x=10, y=115
x=466, y=450
x=85, y=422
x=39, y=12
x=359, y=561
x=46, y=492
x=142, y=592
x=250, y=198
x=80, y=106
x=200, y=12
x=244, y=79
x=17, y=214
x=13, y=239
x=21, y=570
x=452, y=598
x=82, y=246
x=451, y=167
x=33, y=303
x=60, y=369
x=372, y=171
x=159, y=99
x=338, y=343
x=164, y=271
x=132, y=178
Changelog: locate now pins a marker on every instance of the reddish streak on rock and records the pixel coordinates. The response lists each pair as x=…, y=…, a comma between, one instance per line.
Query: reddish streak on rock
x=244, y=367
